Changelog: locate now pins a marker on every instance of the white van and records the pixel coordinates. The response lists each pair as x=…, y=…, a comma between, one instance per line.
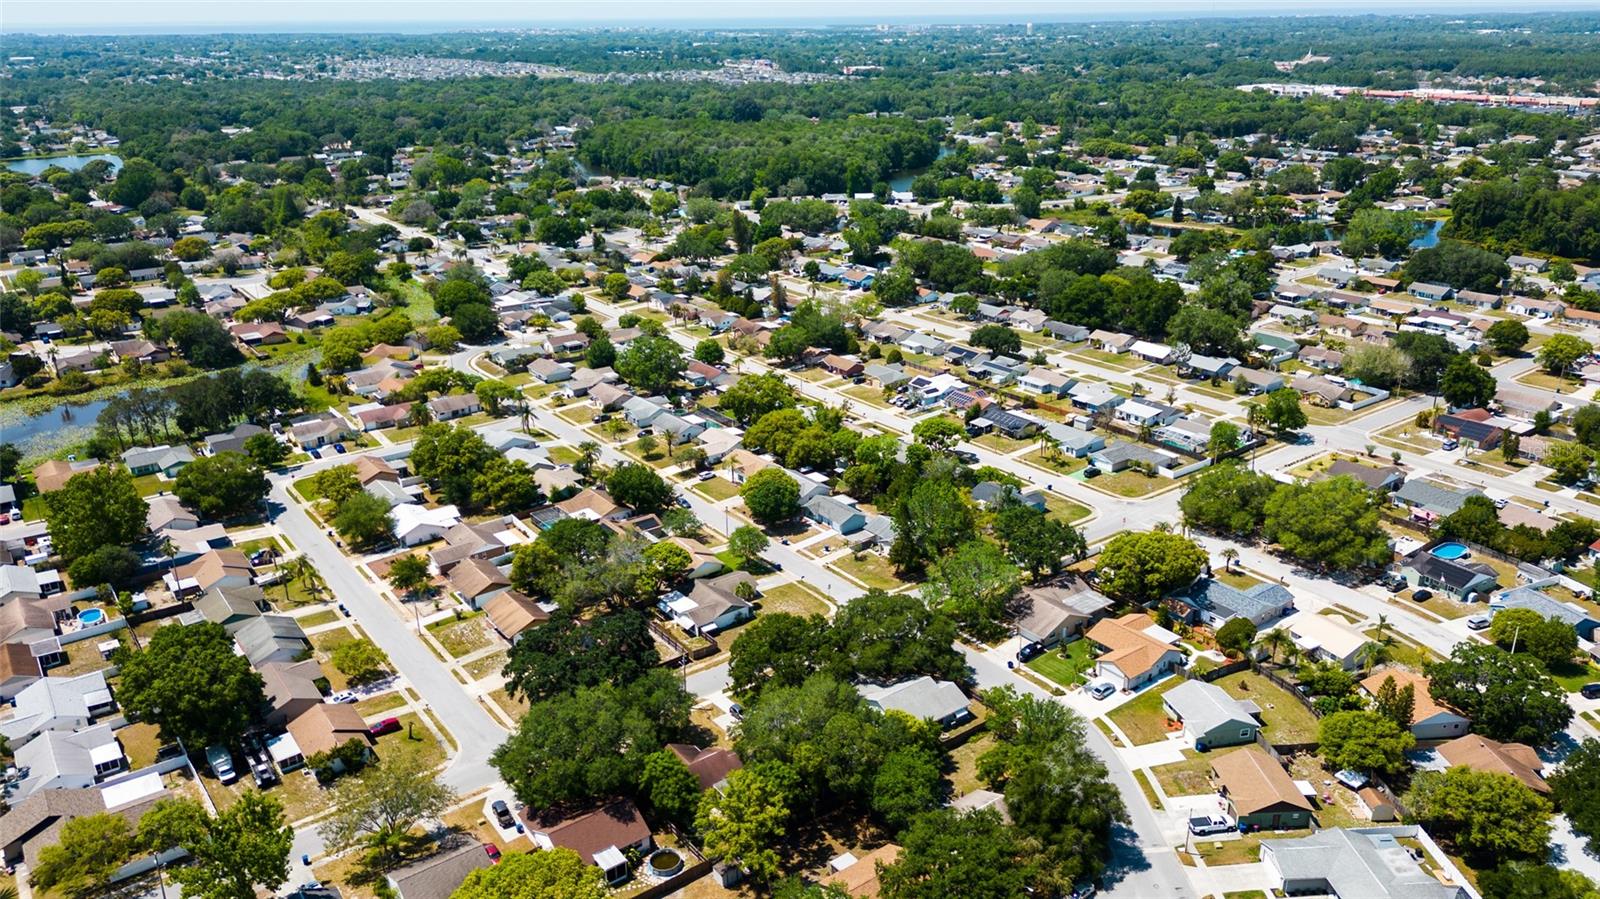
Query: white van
x=220, y=760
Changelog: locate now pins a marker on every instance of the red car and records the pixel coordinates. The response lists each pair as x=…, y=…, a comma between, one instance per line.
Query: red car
x=386, y=726
x=492, y=851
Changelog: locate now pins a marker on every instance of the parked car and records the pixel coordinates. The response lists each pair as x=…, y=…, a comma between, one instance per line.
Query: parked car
x=1590, y=691
x=263, y=774
x=1206, y=825
x=1028, y=651
x=1478, y=622
x=386, y=726
x=1394, y=583
x=1101, y=690
x=503, y=813
x=737, y=711
x=492, y=851
x=705, y=475
x=1450, y=445
x=220, y=761
x=968, y=458
x=1422, y=595
x=338, y=448
x=1091, y=472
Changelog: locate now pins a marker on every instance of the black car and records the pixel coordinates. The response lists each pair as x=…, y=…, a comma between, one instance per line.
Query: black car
x=1029, y=651
x=1590, y=691
x=502, y=813
x=1422, y=595
x=965, y=457
x=1091, y=472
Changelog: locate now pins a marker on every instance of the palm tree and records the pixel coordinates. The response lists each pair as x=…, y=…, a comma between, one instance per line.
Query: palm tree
x=1383, y=630
x=170, y=551
x=1229, y=556
x=289, y=571
x=1291, y=654
x=1254, y=416
x=1371, y=655
x=312, y=578
x=1274, y=642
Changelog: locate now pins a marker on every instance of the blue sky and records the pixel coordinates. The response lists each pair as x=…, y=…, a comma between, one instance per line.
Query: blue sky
x=105, y=16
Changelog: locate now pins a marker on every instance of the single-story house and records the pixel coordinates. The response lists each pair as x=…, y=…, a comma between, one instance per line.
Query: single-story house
x=455, y=405
x=1337, y=861
x=1461, y=580
x=1259, y=793
x=1480, y=753
x=475, y=581
x=1211, y=602
x=1429, y=719
x=1433, y=498
x=1548, y=607
x=710, y=767
x=1386, y=479
x=603, y=837
x=511, y=613
x=1322, y=638
x=166, y=460
x=1134, y=651
x=439, y=876
x=921, y=697
x=415, y=523
x=1210, y=717
x=839, y=513
x=1054, y=613
x=712, y=605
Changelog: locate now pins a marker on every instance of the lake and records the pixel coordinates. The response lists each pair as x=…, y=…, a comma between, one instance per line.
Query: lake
x=1431, y=238
x=60, y=425
x=36, y=165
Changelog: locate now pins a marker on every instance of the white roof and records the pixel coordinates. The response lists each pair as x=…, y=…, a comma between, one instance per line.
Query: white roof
x=127, y=792
x=105, y=753
x=410, y=516
x=282, y=748
x=608, y=858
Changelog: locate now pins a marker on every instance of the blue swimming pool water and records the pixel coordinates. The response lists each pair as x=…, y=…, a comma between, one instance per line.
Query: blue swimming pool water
x=1449, y=551
x=90, y=617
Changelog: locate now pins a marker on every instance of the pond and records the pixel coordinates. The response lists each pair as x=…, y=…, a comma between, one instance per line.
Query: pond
x=36, y=165
x=1431, y=237
x=41, y=433
x=901, y=183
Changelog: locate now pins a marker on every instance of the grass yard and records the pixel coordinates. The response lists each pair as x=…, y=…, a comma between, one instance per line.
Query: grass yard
x=414, y=737
x=1130, y=483
x=383, y=702
x=1002, y=444
x=1190, y=777
x=579, y=414
x=1056, y=462
x=870, y=569
x=1065, y=664
x=1235, y=578
x=564, y=455
x=1441, y=606
x=872, y=396
x=1403, y=651
x=795, y=599
x=1144, y=719
x=1113, y=360
x=327, y=616
x=1065, y=509
x=514, y=706
x=716, y=489
x=488, y=666
x=151, y=484
x=140, y=742
x=1573, y=676
x=964, y=779
x=461, y=636
x=1286, y=720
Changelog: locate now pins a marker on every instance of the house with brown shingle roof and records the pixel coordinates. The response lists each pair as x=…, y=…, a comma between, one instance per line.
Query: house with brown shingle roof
x=709, y=766
x=1480, y=753
x=511, y=613
x=18, y=669
x=1132, y=656
x=53, y=475
x=602, y=836
x=217, y=568
x=325, y=725
x=858, y=876
x=1429, y=719
x=370, y=468
x=476, y=581
x=1259, y=793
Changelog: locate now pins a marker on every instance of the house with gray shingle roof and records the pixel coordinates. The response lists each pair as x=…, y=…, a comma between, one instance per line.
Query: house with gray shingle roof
x=922, y=697
x=1211, y=602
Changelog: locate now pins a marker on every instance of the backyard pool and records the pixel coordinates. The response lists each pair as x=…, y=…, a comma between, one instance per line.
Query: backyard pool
x=1450, y=551
x=91, y=617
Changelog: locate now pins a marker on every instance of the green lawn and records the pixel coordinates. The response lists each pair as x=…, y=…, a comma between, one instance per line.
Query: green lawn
x=868, y=568
x=794, y=599
x=1065, y=664
x=1065, y=509
x=1190, y=777
x=564, y=455
x=1000, y=443
x=1129, y=483
x=413, y=737
x=1144, y=719
x=1060, y=463
x=318, y=618
x=1285, y=719
x=716, y=489
x=1573, y=676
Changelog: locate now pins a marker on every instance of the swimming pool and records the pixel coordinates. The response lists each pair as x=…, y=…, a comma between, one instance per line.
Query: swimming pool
x=1450, y=551
x=91, y=617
